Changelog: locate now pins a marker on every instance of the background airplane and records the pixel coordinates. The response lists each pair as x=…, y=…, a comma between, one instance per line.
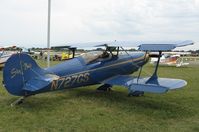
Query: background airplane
x=5, y=53
x=170, y=60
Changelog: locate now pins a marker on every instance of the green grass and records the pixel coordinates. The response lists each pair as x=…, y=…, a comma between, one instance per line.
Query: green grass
x=85, y=110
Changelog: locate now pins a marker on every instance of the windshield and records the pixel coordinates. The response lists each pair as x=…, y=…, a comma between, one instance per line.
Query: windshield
x=94, y=55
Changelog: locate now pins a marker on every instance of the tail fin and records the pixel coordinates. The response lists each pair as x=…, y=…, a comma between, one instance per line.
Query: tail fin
x=20, y=72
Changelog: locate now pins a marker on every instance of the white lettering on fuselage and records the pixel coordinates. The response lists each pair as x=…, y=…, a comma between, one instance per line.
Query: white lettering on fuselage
x=68, y=81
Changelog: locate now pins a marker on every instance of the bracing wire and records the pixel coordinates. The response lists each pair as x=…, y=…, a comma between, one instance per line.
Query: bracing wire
x=136, y=64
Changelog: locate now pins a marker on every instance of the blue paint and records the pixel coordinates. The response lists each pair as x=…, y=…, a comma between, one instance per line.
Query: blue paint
x=26, y=77
x=22, y=76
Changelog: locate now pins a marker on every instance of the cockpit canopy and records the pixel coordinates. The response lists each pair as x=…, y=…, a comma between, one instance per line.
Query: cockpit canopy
x=94, y=55
x=109, y=52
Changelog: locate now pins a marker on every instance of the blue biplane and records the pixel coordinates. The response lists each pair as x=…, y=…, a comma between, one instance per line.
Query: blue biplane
x=23, y=77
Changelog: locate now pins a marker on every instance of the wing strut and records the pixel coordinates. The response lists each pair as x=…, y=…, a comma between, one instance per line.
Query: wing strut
x=141, y=68
x=153, y=78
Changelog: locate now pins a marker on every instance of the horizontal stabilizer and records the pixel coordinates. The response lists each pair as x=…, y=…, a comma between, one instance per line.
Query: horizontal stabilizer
x=35, y=84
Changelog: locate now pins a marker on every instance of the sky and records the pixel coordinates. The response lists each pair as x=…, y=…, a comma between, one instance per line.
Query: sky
x=24, y=22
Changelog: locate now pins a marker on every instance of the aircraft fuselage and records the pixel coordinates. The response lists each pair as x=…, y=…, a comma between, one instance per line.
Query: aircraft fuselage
x=75, y=73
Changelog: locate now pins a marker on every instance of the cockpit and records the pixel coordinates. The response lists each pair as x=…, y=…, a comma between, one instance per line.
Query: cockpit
x=95, y=55
x=100, y=55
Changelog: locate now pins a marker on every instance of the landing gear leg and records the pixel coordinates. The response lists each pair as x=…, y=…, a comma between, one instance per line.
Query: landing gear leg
x=18, y=101
x=104, y=88
x=136, y=94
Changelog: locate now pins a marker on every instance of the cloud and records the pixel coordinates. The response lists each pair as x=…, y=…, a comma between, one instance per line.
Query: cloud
x=24, y=22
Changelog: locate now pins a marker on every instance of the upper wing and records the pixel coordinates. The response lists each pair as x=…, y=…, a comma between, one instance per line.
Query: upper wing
x=142, y=45
x=164, y=46
x=161, y=85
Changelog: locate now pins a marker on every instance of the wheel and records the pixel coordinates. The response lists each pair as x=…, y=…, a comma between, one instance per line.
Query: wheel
x=104, y=88
x=136, y=94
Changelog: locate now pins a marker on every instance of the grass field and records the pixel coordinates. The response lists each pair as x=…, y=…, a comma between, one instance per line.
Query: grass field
x=84, y=109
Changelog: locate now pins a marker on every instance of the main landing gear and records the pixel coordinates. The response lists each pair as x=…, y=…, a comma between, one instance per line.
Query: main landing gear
x=136, y=94
x=107, y=88
x=104, y=88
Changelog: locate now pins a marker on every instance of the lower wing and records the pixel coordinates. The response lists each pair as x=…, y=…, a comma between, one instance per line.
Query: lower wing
x=160, y=85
